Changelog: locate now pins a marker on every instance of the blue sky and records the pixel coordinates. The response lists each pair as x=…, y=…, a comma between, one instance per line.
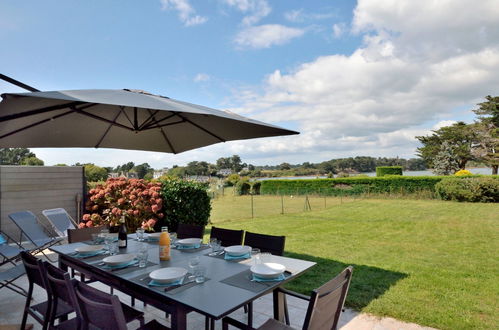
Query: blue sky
x=354, y=77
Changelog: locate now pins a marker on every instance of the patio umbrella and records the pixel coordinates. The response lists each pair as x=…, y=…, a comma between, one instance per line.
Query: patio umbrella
x=122, y=119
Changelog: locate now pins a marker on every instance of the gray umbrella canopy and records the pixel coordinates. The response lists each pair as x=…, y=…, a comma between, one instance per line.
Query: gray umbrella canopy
x=121, y=119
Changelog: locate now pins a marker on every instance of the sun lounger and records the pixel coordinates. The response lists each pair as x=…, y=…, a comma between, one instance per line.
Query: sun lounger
x=60, y=221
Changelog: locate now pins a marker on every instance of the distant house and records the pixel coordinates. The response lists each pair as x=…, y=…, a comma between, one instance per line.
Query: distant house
x=199, y=178
x=159, y=173
x=128, y=175
x=224, y=172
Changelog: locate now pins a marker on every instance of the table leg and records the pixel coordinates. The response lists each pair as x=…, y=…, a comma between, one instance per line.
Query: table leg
x=279, y=305
x=179, y=318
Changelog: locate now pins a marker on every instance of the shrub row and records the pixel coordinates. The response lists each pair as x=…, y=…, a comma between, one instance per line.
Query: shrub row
x=388, y=170
x=351, y=186
x=484, y=189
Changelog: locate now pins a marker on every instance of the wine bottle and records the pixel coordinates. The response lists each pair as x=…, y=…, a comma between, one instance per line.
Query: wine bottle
x=122, y=234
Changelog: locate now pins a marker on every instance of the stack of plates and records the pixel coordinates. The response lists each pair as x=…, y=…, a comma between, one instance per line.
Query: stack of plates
x=168, y=275
x=89, y=249
x=119, y=259
x=237, y=250
x=189, y=242
x=269, y=270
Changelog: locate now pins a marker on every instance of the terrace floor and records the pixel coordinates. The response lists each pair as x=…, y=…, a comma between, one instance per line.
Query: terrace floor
x=12, y=304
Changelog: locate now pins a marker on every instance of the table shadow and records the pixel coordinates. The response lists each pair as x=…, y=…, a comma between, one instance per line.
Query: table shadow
x=368, y=283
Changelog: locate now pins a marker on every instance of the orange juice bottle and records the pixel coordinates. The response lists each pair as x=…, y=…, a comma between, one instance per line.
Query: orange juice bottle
x=164, y=244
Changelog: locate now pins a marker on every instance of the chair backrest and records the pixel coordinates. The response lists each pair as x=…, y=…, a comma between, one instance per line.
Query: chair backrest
x=189, y=231
x=27, y=223
x=228, y=237
x=60, y=220
x=326, y=302
x=35, y=270
x=99, y=309
x=83, y=234
x=266, y=243
x=60, y=284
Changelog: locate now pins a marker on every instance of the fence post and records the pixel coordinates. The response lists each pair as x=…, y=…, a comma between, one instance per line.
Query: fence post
x=282, y=204
x=307, y=207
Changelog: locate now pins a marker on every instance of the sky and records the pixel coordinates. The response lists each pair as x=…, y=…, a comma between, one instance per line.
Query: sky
x=355, y=78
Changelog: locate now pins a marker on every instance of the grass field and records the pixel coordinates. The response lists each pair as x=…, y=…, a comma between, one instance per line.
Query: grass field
x=425, y=261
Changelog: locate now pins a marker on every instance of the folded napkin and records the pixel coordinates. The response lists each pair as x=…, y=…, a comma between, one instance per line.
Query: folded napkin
x=244, y=256
x=257, y=278
x=154, y=283
x=126, y=264
x=186, y=247
x=89, y=254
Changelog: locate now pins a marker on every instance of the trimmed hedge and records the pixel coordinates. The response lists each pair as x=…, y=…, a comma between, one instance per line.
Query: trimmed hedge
x=388, y=170
x=482, y=189
x=185, y=202
x=351, y=186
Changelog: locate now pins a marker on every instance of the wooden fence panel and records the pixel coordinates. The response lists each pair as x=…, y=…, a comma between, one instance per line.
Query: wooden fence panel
x=36, y=188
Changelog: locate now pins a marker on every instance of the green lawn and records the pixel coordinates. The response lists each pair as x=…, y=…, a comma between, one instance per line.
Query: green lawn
x=425, y=261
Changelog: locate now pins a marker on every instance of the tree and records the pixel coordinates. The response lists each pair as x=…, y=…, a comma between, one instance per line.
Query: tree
x=142, y=170
x=32, y=161
x=14, y=156
x=445, y=161
x=95, y=173
x=459, y=135
x=197, y=168
x=285, y=166
x=125, y=167
x=487, y=130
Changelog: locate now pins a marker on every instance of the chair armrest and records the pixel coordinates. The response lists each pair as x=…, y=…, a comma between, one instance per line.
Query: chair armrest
x=294, y=294
x=227, y=320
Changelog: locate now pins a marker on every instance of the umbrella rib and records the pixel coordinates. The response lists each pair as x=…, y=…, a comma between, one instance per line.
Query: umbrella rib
x=36, y=124
x=39, y=111
x=202, y=128
x=147, y=122
x=157, y=122
x=163, y=133
x=122, y=109
x=107, y=130
x=103, y=119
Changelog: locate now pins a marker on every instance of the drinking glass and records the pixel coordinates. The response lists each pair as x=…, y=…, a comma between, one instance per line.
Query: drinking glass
x=256, y=256
x=112, y=245
x=140, y=234
x=215, y=245
x=199, y=274
x=142, y=255
x=265, y=257
x=193, y=263
x=173, y=239
x=95, y=238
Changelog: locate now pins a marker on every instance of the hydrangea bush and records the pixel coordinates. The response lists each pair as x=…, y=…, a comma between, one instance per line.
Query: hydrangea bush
x=139, y=201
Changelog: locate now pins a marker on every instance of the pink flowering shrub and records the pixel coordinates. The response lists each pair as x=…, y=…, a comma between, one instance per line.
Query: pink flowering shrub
x=139, y=201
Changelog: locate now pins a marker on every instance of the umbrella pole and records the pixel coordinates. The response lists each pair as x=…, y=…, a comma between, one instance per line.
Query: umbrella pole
x=18, y=83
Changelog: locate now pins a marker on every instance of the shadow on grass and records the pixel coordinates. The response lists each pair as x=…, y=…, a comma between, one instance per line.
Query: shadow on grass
x=368, y=283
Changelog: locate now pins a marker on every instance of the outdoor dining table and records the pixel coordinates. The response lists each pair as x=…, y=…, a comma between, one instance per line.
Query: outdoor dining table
x=227, y=286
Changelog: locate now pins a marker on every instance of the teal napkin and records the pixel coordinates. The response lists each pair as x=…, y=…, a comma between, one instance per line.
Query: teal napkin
x=89, y=254
x=186, y=247
x=261, y=279
x=244, y=256
x=126, y=264
x=154, y=283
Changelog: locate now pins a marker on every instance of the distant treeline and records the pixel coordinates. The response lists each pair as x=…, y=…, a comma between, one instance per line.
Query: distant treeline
x=349, y=165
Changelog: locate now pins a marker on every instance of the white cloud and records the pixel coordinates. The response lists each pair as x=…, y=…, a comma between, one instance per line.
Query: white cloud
x=186, y=13
x=201, y=77
x=418, y=63
x=339, y=29
x=294, y=15
x=256, y=9
x=265, y=36
x=299, y=15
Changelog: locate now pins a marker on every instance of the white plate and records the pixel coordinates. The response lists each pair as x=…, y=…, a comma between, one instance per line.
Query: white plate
x=187, y=242
x=118, y=259
x=89, y=248
x=168, y=275
x=268, y=270
x=154, y=236
x=237, y=250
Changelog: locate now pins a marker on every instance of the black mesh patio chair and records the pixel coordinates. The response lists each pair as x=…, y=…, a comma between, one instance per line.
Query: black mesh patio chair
x=61, y=287
x=228, y=237
x=9, y=274
x=34, y=231
x=60, y=221
x=189, y=231
x=105, y=311
x=324, y=307
x=266, y=243
x=36, y=273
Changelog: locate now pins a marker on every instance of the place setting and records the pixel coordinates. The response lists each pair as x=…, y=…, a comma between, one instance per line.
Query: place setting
x=88, y=251
x=190, y=245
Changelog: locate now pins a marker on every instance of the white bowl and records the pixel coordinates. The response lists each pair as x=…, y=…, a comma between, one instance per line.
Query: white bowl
x=153, y=236
x=189, y=242
x=168, y=275
x=118, y=259
x=237, y=250
x=268, y=270
x=89, y=249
